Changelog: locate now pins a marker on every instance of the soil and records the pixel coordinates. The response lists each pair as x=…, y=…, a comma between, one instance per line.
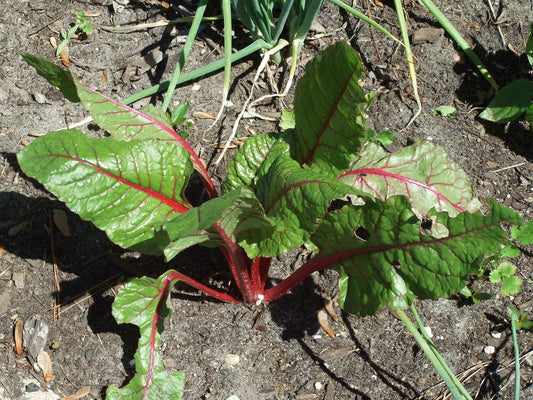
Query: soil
x=283, y=353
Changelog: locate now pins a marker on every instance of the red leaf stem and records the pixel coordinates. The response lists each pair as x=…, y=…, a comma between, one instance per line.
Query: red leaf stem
x=240, y=266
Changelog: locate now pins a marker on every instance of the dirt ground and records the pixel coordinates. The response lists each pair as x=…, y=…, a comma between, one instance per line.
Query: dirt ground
x=283, y=353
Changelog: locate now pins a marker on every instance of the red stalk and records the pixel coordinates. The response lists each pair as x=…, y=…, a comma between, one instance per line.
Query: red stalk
x=239, y=264
x=315, y=264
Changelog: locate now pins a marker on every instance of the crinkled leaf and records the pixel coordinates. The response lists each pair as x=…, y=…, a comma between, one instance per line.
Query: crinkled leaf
x=421, y=172
x=54, y=74
x=126, y=123
x=329, y=107
x=232, y=212
x=126, y=189
x=383, y=254
x=142, y=302
x=294, y=199
x=243, y=167
x=510, y=102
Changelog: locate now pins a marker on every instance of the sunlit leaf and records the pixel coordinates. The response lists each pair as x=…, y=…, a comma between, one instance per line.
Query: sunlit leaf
x=142, y=302
x=383, y=255
x=125, y=189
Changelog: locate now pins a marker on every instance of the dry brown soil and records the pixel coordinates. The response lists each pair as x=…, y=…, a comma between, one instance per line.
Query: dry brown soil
x=283, y=353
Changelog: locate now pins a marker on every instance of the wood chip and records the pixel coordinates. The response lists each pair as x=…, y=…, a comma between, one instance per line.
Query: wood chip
x=331, y=309
x=65, y=59
x=61, y=222
x=203, y=115
x=2, y=251
x=322, y=317
x=45, y=363
x=17, y=335
x=81, y=392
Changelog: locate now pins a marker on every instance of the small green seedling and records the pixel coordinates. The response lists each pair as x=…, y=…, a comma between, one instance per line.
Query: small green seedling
x=513, y=100
x=476, y=296
x=82, y=25
x=505, y=273
x=521, y=321
x=445, y=111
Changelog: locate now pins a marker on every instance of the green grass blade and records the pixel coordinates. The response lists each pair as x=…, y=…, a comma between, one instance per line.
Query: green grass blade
x=184, y=53
x=200, y=72
x=461, y=42
x=362, y=16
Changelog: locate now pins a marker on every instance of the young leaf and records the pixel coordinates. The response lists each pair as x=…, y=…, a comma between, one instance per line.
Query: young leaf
x=510, y=102
x=123, y=188
x=242, y=169
x=523, y=233
x=54, y=74
x=510, y=285
x=383, y=255
x=126, y=123
x=142, y=302
x=445, y=111
x=232, y=212
x=329, y=108
x=421, y=172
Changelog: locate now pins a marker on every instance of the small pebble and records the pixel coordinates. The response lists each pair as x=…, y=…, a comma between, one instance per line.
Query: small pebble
x=32, y=387
x=496, y=334
x=319, y=386
x=489, y=349
x=428, y=331
x=231, y=359
x=232, y=397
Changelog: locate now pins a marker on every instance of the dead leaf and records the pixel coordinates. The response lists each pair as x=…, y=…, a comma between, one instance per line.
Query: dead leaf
x=65, y=57
x=61, y=222
x=53, y=42
x=324, y=323
x=203, y=115
x=331, y=310
x=17, y=229
x=17, y=334
x=45, y=363
x=81, y=392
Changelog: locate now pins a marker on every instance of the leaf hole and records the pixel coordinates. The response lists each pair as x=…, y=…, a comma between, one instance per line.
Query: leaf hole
x=396, y=265
x=337, y=204
x=361, y=233
x=425, y=226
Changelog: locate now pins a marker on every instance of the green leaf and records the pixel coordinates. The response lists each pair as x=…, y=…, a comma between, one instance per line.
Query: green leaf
x=510, y=102
x=249, y=158
x=142, y=302
x=126, y=189
x=529, y=48
x=287, y=120
x=234, y=211
x=382, y=254
x=329, y=108
x=179, y=114
x=126, y=123
x=445, y=111
x=422, y=172
x=54, y=74
x=510, y=251
x=523, y=233
x=510, y=285
x=529, y=114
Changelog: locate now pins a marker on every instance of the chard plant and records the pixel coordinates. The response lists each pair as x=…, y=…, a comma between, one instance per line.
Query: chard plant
x=395, y=226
